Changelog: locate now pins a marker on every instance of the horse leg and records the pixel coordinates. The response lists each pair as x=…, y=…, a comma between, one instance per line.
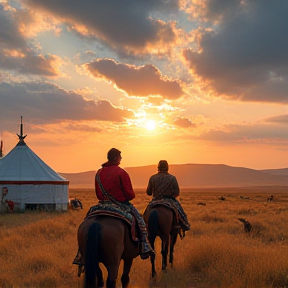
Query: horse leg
x=152, y=233
x=164, y=252
x=152, y=260
x=173, y=242
x=112, y=275
x=125, y=279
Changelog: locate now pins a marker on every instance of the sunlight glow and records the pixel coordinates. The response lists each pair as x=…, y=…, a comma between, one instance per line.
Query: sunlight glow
x=150, y=125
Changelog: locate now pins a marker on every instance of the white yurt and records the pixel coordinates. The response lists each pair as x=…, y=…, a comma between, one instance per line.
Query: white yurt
x=29, y=182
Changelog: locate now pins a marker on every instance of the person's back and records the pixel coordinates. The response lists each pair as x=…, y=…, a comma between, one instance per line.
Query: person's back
x=165, y=185
x=114, y=180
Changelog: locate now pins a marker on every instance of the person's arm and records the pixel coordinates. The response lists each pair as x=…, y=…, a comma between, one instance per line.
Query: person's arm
x=98, y=191
x=126, y=186
x=149, y=190
x=175, y=187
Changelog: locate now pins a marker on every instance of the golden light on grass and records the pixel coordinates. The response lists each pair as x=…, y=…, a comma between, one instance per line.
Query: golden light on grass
x=37, y=248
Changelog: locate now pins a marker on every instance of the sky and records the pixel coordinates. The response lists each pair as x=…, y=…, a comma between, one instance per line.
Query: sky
x=189, y=81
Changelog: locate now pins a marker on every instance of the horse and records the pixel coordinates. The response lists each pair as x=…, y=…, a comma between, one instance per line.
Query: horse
x=106, y=239
x=161, y=222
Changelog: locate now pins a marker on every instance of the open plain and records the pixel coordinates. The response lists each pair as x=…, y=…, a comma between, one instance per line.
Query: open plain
x=37, y=248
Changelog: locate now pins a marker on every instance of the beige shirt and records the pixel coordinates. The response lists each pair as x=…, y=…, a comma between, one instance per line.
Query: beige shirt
x=163, y=184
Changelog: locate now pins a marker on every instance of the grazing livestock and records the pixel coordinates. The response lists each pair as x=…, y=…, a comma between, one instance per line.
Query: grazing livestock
x=270, y=199
x=201, y=203
x=222, y=198
x=247, y=225
x=243, y=197
x=76, y=203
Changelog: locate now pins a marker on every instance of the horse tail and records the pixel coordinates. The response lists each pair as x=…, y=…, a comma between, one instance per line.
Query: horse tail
x=92, y=254
x=153, y=226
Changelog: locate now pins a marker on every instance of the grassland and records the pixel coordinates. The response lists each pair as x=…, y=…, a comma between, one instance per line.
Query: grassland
x=37, y=248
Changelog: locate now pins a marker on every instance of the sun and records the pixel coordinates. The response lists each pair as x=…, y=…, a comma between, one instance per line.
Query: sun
x=150, y=125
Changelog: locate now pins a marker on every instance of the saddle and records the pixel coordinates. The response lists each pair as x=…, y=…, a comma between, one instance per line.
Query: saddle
x=165, y=202
x=110, y=209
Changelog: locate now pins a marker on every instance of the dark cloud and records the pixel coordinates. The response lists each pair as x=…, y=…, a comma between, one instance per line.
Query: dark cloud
x=47, y=103
x=125, y=23
x=245, y=55
x=281, y=119
x=16, y=54
x=137, y=81
x=183, y=122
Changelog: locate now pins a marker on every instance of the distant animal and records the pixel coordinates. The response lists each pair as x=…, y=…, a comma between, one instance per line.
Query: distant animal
x=247, y=225
x=271, y=198
x=201, y=203
x=160, y=222
x=107, y=240
x=76, y=203
x=221, y=198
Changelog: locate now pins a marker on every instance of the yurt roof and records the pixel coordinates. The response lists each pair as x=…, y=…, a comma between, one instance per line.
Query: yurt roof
x=21, y=164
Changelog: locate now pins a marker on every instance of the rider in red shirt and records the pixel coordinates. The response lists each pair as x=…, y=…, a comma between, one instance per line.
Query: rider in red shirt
x=117, y=187
x=116, y=181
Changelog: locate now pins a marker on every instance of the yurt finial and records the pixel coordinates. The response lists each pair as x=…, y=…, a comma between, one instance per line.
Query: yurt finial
x=21, y=137
x=1, y=148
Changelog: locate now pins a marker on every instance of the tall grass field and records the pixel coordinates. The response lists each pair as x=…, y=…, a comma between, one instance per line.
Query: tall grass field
x=37, y=248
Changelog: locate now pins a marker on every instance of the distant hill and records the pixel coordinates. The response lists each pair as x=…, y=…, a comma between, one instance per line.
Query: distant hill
x=194, y=175
x=283, y=171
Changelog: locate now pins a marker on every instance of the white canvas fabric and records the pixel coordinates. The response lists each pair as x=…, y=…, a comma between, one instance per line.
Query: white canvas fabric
x=30, y=180
x=22, y=164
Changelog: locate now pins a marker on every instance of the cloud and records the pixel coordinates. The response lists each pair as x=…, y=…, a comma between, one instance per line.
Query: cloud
x=136, y=81
x=126, y=24
x=281, y=119
x=183, y=122
x=44, y=102
x=16, y=55
x=243, y=54
x=258, y=133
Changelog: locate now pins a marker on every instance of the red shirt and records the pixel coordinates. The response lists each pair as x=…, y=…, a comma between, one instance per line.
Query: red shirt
x=116, y=182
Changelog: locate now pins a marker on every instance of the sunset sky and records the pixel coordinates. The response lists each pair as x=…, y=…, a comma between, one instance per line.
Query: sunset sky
x=189, y=81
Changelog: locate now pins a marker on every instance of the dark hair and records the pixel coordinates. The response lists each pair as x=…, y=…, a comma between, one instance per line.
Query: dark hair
x=112, y=154
x=163, y=165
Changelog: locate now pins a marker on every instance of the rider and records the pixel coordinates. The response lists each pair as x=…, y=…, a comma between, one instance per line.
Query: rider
x=113, y=184
x=164, y=185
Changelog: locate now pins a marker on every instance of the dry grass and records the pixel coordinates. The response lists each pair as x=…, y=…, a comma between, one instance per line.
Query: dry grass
x=37, y=248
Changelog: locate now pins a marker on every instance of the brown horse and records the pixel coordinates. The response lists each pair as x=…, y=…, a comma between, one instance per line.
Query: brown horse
x=160, y=222
x=107, y=240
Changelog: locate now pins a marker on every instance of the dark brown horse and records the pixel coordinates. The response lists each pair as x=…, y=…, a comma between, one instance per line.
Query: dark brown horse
x=160, y=222
x=107, y=240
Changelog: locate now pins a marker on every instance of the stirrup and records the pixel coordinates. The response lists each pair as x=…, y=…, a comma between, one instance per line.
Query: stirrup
x=146, y=251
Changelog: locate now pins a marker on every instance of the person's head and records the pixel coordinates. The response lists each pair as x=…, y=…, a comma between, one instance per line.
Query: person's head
x=114, y=155
x=163, y=166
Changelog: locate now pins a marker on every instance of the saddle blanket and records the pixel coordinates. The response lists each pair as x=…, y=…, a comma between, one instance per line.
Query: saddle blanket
x=108, y=208
x=170, y=203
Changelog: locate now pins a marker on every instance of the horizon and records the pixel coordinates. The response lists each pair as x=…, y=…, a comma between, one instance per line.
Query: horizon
x=174, y=164
x=174, y=80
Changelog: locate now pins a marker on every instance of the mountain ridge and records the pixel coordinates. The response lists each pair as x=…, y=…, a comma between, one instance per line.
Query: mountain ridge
x=193, y=175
